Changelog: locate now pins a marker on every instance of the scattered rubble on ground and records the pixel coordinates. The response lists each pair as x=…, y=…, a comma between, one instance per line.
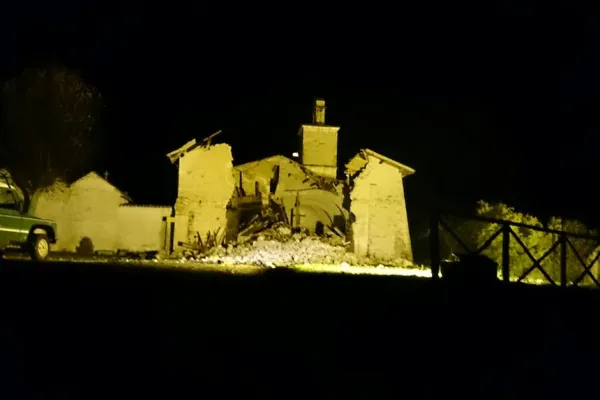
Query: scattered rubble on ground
x=261, y=243
x=281, y=245
x=264, y=240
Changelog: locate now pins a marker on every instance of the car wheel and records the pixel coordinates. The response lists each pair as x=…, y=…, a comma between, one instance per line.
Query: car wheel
x=39, y=248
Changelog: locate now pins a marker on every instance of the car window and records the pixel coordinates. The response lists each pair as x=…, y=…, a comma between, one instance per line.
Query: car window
x=7, y=198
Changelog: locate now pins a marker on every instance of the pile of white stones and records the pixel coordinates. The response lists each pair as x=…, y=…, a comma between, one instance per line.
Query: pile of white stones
x=308, y=250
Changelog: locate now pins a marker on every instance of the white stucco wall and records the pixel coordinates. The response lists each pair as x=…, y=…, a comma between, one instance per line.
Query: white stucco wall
x=141, y=228
x=88, y=208
x=377, y=199
x=92, y=207
x=206, y=184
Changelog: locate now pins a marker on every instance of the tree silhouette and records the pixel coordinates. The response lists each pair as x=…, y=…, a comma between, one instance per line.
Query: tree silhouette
x=48, y=118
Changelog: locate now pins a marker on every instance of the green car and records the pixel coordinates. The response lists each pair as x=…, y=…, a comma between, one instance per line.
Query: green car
x=21, y=231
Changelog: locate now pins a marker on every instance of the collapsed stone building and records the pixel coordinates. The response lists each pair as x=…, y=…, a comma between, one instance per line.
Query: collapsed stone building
x=218, y=202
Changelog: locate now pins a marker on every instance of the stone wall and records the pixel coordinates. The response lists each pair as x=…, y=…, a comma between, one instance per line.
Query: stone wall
x=319, y=149
x=292, y=177
x=380, y=227
x=206, y=184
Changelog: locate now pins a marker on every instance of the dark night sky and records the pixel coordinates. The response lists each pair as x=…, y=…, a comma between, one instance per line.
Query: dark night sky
x=496, y=103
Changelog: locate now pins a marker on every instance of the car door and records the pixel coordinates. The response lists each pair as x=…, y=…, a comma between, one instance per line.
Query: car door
x=11, y=229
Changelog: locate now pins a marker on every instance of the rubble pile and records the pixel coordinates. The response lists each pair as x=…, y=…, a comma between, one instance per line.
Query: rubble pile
x=280, y=245
x=280, y=231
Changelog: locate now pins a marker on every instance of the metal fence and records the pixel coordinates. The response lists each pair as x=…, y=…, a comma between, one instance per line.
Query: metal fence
x=505, y=231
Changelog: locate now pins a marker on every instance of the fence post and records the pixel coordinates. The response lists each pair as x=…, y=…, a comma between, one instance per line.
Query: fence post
x=563, y=260
x=505, y=252
x=434, y=244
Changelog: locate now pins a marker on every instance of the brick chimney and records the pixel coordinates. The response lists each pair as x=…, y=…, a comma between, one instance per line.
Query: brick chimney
x=319, y=112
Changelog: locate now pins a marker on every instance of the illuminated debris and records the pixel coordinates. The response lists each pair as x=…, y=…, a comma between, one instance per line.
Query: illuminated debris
x=267, y=240
x=266, y=221
x=301, y=198
x=282, y=200
x=279, y=232
x=298, y=249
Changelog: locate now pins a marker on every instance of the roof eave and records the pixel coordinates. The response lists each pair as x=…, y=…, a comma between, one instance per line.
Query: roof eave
x=404, y=169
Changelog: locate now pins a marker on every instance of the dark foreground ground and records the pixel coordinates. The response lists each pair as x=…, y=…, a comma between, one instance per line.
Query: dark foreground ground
x=88, y=331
